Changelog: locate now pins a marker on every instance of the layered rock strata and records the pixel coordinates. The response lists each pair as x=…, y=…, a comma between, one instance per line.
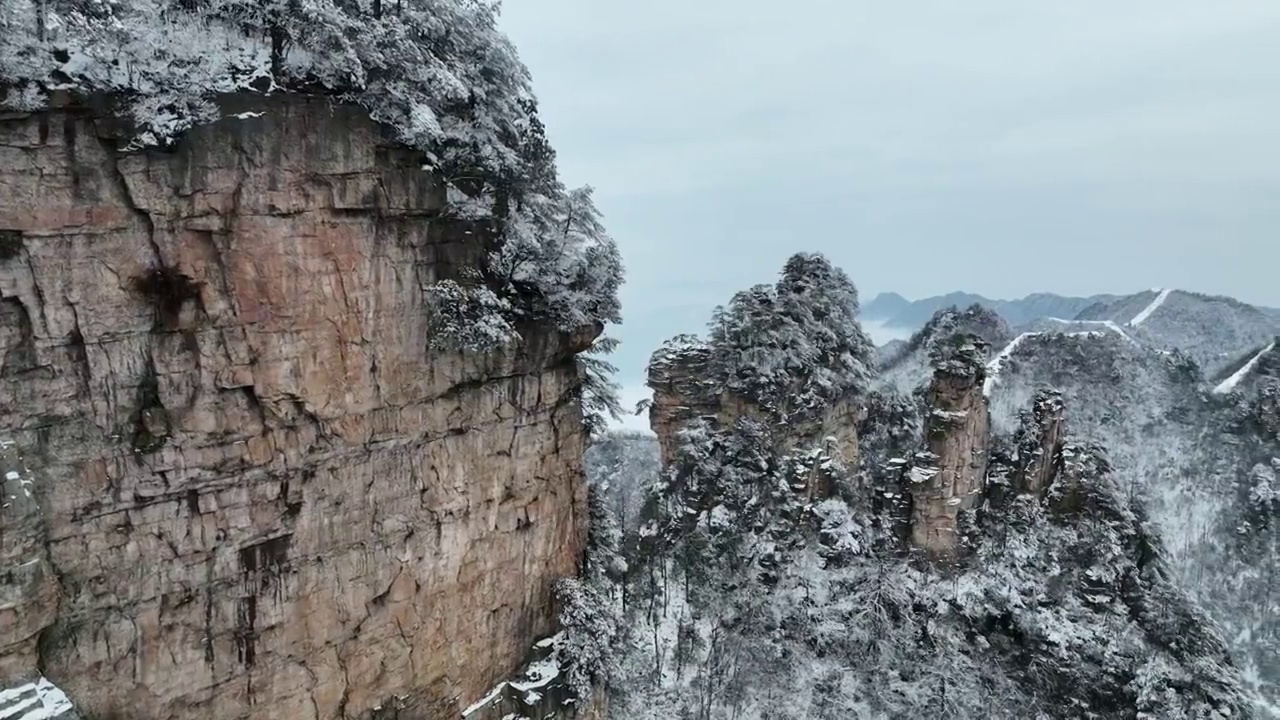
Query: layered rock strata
x=254, y=492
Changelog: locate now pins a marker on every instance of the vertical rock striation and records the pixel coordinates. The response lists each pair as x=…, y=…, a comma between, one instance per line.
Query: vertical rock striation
x=948, y=479
x=255, y=493
x=1039, y=444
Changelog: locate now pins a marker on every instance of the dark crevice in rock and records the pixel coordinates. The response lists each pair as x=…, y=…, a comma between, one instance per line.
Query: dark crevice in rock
x=17, y=339
x=79, y=352
x=167, y=290
x=10, y=244
x=151, y=422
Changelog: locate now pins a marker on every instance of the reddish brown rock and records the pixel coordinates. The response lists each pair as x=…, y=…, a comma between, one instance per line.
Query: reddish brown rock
x=258, y=494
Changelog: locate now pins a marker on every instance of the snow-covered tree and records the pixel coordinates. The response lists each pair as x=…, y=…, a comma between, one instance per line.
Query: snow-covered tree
x=589, y=625
x=469, y=317
x=796, y=346
x=598, y=390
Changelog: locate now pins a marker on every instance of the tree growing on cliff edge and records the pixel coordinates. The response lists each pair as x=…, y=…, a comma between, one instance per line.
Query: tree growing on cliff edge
x=438, y=73
x=597, y=389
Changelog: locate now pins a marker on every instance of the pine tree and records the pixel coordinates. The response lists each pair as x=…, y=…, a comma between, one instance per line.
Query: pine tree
x=795, y=347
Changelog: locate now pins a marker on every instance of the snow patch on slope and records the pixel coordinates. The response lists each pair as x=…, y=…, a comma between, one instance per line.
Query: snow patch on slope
x=1108, y=324
x=1230, y=383
x=993, y=367
x=1161, y=296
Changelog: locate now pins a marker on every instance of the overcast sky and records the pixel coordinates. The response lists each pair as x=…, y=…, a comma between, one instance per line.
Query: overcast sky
x=999, y=146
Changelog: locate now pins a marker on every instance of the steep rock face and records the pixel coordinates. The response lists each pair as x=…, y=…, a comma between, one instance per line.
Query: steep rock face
x=1040, y=444
x=255, y=493
x=678, y=376
x=950, y=479
x=29, y=594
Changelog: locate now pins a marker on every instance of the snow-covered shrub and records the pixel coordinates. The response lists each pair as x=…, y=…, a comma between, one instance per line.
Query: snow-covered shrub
x=470, y=318
x=25, y=98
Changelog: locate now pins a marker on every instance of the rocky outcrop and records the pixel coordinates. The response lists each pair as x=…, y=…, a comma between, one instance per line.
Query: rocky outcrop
x=685, y=389
x=910, y=365
x=254, y=491
x=948, y=479
x=679, y=376
x=1039, y=443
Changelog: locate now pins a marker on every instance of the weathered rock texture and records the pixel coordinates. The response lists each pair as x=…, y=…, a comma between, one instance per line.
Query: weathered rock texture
x=255, y=493
x=1040, y=444
x=679, y=377
x=949, y=480
x=685, y=390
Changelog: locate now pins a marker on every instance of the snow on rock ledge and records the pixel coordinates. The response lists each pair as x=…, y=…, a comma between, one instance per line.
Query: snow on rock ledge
x=39, y=700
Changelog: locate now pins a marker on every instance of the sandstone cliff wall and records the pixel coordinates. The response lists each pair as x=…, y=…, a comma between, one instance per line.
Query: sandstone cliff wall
x=949, y=481
x=257, y=494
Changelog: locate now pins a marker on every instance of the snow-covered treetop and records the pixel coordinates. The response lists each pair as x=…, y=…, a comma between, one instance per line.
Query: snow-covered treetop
x=975, y=319
x=793, y=347
x=961, y=355
x=437, y=72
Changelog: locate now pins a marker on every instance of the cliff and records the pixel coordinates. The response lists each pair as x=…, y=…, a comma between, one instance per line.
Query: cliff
x=254, y=491
x=949, y=479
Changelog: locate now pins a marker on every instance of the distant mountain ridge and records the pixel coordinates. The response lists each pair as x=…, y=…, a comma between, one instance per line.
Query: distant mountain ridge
x=894, y=310
x=1213, y=330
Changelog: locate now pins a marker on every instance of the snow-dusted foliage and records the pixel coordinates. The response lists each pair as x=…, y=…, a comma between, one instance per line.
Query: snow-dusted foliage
x=588, y=626
x=754, y=598
x=768, y=580
x=598, y=390
x=794, y=347
x=438, y=73
x=557, y=260
x=1190, y=454
x=470, y=318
